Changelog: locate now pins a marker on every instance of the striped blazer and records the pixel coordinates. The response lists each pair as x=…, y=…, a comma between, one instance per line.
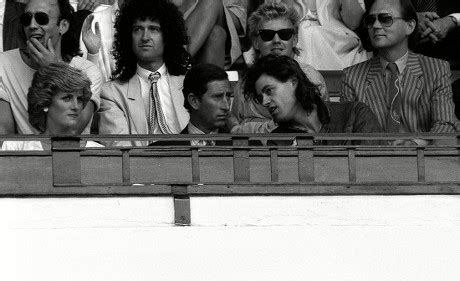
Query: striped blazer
x=427, y=104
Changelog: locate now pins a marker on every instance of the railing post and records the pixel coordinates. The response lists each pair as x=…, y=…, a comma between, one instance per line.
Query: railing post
x=240, y=159
x=421, y=164
x=196, y=175
x=66, y=160
x=351, y=164
x=306, y=162
x=182, y=212
x=274, y=164
x=126, y=167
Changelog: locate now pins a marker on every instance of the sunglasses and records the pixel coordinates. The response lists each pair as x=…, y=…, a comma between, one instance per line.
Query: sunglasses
x=268, y=34
x=40, y=17
x=385, y=19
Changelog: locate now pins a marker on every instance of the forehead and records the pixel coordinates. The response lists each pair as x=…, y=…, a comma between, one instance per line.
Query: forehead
x=386, y=6
x=43, y=6
x=276, y=24
x=146, y=22
x=73, y=93
x=218, y=86
x=266, y=80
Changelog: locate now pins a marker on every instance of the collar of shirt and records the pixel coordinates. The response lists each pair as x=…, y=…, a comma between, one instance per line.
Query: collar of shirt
x=192, y=129
x=401, y=63
x=145, y=73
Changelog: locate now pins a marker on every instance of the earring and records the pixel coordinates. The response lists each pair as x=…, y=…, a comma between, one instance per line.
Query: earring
x=45, y=109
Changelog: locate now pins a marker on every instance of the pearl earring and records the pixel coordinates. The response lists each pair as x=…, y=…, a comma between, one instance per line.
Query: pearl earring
x=45, y=109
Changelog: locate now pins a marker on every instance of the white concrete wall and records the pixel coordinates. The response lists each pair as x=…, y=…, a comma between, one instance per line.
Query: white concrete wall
x=235, y=238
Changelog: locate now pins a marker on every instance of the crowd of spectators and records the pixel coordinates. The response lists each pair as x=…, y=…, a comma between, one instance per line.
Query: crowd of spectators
x=159, y=67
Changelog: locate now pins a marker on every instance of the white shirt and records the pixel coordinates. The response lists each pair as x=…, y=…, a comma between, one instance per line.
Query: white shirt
x=164, y=93
x=193, y=130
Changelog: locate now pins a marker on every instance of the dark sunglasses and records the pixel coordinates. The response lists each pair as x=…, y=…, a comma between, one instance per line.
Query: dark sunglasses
x=385, y=19
x=40, y=17
x=268, y=34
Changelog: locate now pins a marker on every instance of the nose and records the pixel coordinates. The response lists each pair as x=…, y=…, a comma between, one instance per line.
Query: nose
x=265, y=100
x=76, y=105
x=276, y=38
x=145, y=36
x=377, y=24
x=33, y=23
x=225, y=104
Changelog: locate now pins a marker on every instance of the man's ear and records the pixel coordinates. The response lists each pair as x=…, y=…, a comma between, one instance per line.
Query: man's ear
x=64, y=25
x=194, y=101
x=411, y=27
x=255, y=44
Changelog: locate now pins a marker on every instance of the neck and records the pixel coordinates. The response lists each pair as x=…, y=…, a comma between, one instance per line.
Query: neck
x=151, y=66
x=50, y=130
x=196, y=122
x=394, y=53
x=307, y=122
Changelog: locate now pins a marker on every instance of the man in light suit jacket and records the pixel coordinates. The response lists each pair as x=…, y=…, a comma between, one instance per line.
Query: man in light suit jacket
x=151, y=59
x=407, y=92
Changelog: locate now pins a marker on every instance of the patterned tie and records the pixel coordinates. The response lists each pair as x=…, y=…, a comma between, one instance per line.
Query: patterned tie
x=427, y=5
x=394, y=114
x=156, y=112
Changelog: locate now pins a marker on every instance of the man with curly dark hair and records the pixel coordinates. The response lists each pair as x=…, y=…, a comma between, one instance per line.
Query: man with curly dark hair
x=151, y=60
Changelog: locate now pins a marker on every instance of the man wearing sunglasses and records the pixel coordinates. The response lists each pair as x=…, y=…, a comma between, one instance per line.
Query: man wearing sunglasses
x=273, y=30
x=48, y=28
x=407, y=92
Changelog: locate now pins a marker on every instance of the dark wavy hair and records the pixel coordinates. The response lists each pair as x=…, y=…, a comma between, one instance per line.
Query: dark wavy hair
x=47, y=82
x=283, y=68
x=176, y=56
x=70, y=43
x=197, y=78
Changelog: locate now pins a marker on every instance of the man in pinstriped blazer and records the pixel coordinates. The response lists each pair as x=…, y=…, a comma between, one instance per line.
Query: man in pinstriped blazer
x=425, y=103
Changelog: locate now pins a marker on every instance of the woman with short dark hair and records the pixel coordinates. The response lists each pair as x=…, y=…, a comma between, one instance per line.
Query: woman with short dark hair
x=56, y=99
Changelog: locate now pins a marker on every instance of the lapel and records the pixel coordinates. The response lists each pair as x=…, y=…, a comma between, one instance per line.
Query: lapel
x=136, y=106
x=375, y=92
x=176, y=85
x=412, y=79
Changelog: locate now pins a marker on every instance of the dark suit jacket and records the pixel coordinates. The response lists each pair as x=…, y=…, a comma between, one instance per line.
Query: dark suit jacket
x=427, y=104
x=346, y=117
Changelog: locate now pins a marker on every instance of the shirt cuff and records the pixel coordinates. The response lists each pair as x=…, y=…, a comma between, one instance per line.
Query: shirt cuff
x=456, y=16
x=420, y=142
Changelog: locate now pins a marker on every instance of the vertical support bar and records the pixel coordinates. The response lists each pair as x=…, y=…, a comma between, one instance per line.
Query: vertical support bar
x=125, y=167
x=195, y=165
x=182, y=212
x=306, y=162
x=66, y=160
x=421, y=164
x=240, y=159
x=352, y=164
x=274, y=164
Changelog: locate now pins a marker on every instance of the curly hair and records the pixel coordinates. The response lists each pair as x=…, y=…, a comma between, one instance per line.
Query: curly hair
x=47, y=82
x=197, y=78
x=176, y=56
x=283, y=68
x=272, y=11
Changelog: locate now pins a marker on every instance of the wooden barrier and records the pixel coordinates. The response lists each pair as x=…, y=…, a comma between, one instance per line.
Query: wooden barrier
x=183, y=171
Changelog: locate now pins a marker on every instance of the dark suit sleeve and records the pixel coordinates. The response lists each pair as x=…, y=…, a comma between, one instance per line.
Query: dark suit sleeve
x=365, y=122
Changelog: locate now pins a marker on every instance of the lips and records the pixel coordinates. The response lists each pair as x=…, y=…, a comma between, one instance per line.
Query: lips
x=75, y=116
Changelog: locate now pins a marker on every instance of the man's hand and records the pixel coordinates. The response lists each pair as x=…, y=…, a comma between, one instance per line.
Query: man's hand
x=438, y=29
x=91, y=40
x=41, y=55
x=424, y=19
x=89, y=5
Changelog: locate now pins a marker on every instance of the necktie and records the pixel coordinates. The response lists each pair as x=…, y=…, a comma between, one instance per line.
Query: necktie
x=394, y=114
x=427, y=6
x=156, y=112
